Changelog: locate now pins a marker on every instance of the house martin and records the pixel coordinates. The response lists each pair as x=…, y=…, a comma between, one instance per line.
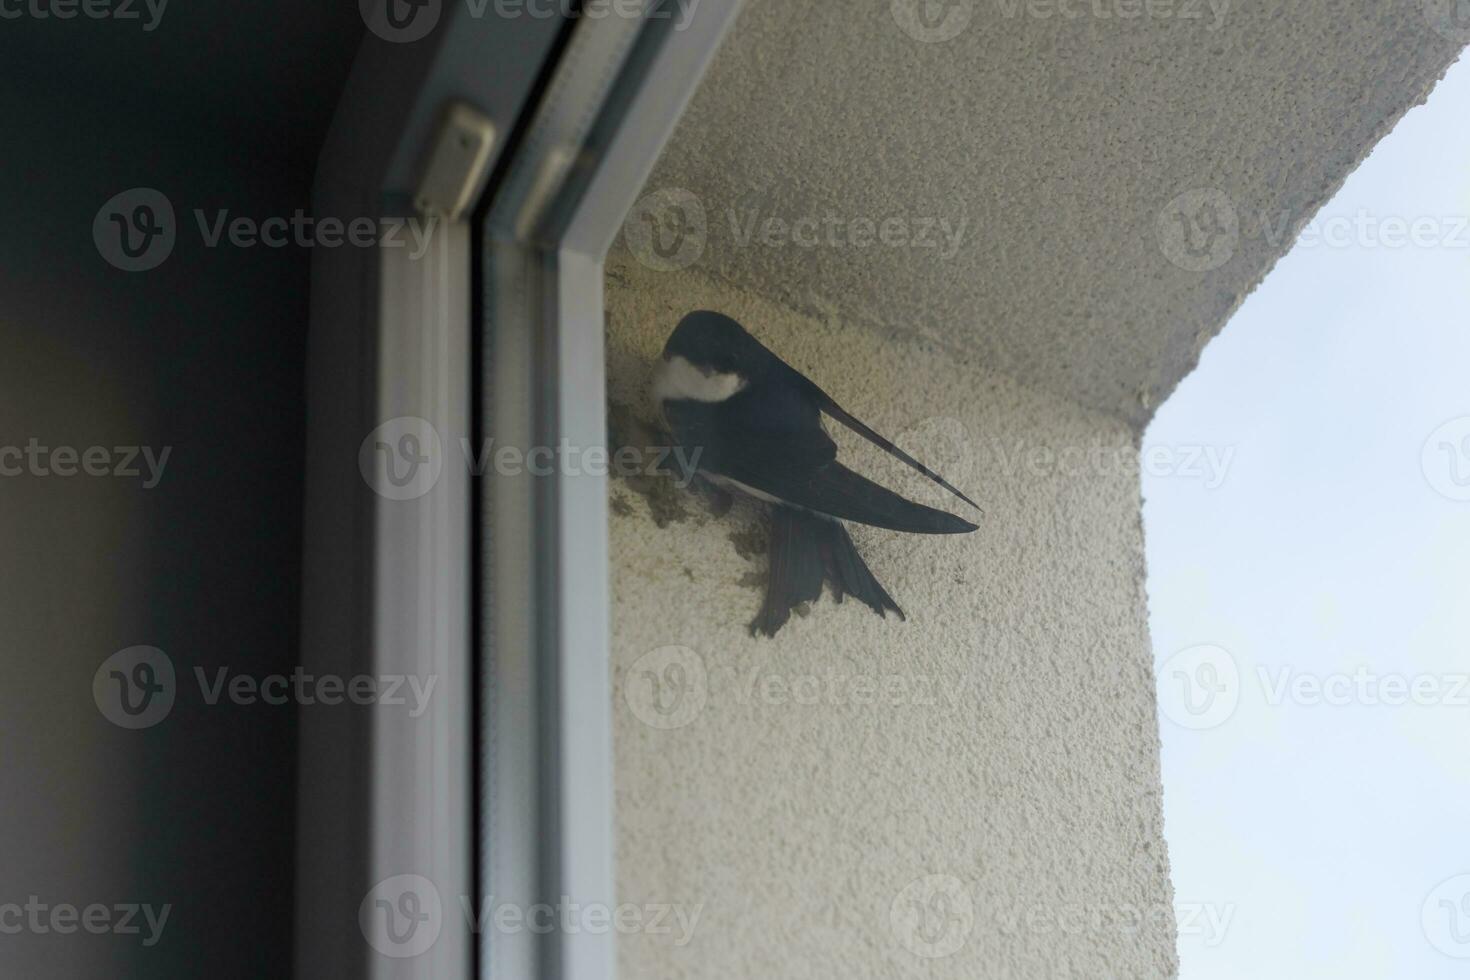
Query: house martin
x=756, y=423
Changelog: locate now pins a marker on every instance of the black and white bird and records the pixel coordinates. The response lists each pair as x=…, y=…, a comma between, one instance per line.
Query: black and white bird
x=756, y=424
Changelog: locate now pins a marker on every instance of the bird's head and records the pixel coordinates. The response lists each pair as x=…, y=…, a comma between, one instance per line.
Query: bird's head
x=716, y=344
x=709, y=358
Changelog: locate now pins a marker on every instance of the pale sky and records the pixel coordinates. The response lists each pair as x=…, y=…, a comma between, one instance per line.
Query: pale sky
x=1317, y=802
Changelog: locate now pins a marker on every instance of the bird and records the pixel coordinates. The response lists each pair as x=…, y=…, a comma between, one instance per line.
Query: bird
x=752, y=423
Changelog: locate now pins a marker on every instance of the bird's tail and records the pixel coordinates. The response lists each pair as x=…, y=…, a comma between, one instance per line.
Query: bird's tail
x=806, y=550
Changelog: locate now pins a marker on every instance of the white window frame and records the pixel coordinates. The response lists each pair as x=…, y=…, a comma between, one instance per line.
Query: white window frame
x=504, y=791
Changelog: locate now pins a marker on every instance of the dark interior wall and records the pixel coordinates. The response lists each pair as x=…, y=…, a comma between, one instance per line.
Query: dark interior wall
x=219, y=107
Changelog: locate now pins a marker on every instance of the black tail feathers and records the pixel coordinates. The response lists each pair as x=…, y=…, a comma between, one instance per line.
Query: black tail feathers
x=806, y=550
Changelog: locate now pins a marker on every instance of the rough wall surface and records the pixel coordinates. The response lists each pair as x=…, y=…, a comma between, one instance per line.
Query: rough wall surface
x=972, y=793
x=1115, y=176
x=1001, y=231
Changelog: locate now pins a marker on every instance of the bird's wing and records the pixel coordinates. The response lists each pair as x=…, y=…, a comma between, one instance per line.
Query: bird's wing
x=769, y=414
x=837, y=491
x=828, y=406
x=799, y=466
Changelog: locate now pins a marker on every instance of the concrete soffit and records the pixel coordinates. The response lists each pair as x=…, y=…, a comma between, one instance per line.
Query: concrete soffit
x=1078, y=202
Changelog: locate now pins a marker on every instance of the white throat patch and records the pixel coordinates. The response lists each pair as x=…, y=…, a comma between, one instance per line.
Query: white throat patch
x=677, y=379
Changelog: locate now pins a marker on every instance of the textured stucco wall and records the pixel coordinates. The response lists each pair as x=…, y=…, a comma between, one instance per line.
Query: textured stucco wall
x=1116, y=176
x=800, y=792
x=1079, y=196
